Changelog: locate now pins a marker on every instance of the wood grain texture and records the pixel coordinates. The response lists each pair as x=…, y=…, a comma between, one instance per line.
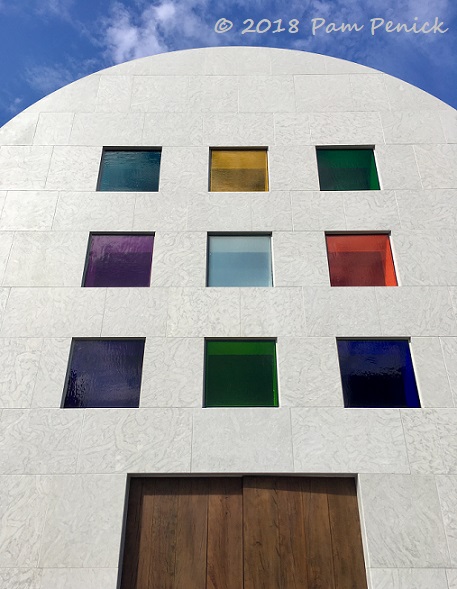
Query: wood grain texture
x=261, y=534
x=318, y=534
x=225, y=534
x=292, y=536
x=243, y=533
x=191, y=534
x=348, y=563
x=158, y=539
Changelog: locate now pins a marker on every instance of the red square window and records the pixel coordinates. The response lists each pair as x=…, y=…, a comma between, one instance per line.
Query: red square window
x=360, y=260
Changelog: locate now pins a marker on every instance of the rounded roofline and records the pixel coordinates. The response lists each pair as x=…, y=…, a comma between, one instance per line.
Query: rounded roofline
x=80, y=95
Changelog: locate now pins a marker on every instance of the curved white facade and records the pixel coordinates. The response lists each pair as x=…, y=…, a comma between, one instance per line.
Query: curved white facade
x=63, y=472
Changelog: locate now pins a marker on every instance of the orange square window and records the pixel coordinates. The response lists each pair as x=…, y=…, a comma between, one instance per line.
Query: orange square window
x=360, y=260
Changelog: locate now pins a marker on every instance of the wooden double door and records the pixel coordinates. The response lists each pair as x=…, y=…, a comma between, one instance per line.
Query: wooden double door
x=243, y=533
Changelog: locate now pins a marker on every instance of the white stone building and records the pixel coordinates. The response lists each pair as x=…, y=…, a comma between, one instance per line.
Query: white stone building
x=64, y=472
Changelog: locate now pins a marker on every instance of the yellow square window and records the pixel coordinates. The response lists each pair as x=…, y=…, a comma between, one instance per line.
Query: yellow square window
x=238, y=170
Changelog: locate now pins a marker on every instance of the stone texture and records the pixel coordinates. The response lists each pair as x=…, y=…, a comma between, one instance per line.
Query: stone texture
x=39, y=441
x=241, y=440
x=408, y=578
x=20, y=360
x=336, y=440
x=121, y=440
x=63, y=473
x=24, y=502
x=403, y=522
x=83, y=528
x=28, y=210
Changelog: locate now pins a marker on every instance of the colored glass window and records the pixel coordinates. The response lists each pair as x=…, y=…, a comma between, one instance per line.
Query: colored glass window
x=239, y=170
x=104, y=373
x=360, y=260
x=241, y=373
x=130, y=171
x=119, y=260
x=347, y=169
x=377, y=373
x=239, y=260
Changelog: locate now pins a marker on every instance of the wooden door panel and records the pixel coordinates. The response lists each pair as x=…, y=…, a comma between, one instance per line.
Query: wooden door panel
x=225, y=534
x=292, y=533
x=318, y=536
x=261, y=534
x=191, y=534
x=156, y=569
x=348, y=563
x=274, y=533
x=243, y=533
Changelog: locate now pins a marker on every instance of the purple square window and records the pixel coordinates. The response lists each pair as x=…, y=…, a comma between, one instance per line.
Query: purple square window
x=104, y=373
x=119, y=260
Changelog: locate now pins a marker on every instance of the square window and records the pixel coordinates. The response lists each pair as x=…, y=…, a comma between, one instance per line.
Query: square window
x=239, y=260
x=347, y=169
x=119, y=260
x=128, y=170
x=104, y=373
x=377, y=373
x=360, y=260
x=238, y=170
x=241, y=373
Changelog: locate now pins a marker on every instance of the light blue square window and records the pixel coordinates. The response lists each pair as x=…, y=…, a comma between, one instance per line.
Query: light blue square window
x=239, y=260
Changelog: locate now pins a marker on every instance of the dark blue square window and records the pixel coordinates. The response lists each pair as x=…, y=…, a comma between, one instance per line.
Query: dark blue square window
x=377, y=373
x=104, y=373
x=127, y=170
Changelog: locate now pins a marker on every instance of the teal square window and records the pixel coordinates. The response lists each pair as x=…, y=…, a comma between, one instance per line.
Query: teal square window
x=241, y=373
x=129, y=170
x=347, y=169
x=239, y=260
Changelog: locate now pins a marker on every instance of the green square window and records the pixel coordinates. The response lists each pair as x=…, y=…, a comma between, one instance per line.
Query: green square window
x=347, y=169
x=241, y=373
x=129, y=170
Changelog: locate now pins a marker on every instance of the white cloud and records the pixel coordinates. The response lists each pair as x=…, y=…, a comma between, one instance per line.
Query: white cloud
x=397, y=10
x=172, y=24
x=165, y=12
x=126, y=40
x=46, y=78
x=60, y=8
x=43, y=8
x=424, y=9
x=15, y=105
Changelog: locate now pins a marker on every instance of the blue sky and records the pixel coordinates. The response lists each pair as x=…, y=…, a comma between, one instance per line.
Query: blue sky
x=48, y=43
